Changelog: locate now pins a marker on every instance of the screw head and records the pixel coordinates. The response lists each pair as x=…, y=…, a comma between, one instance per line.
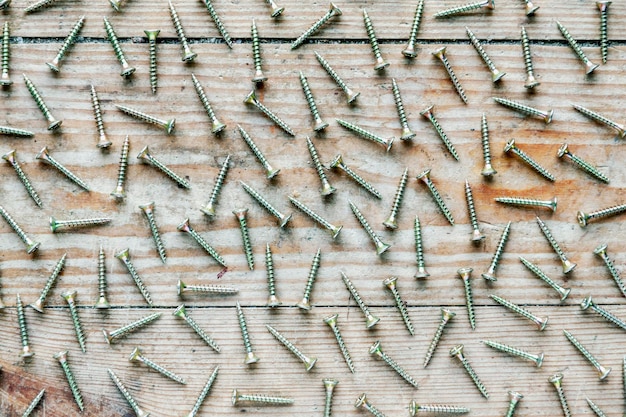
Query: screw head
x=488, y=171
x=568, y=266
x=27, y=352
x=235, y=397
x=54, y=124
x=107, y=336
x=337, y=161
x=147, y=208
x=603, y=373
x=102, y=303
x=271, y=172
x=457, y=350
x=273, y=301
x=360, y=401
x=496, y=75
x=422, y=273
x=304, y=304
x=381, y=64
x=509, y=145
x=180, y=287
x=61, y=356
x=464, y=272
x=123, y=255
x=582, y=218
x=127, y=71
x=531, y=8
x=591, y=67
x=53, y=224
x=184, y=226
x=352, y=95
x=217, y=127
x=371, y=321
x=447, y=314
x=250, y=98
x=103, y=142
x=539, y=361
x=440, y=53
x=375, y=348
x=410, y=51
x=284, y=220
x=310, y=363
x=390, y=223
x=600, y=250
x=330, y=383
x=189, y=56
x=390, y=282
x=563, y=150
x=335, y=11
x=134, y=355
x=69, y=296
x=549, y=116
x=54, y=65
x=144, y=154
x=38, y=305
x=477, y=236
x=32, y=247
x=169, y=126
x=331, y=320
x=586, y=303
x=424, y=176
x=180, y=311
x=208, y=209
x=251, y=358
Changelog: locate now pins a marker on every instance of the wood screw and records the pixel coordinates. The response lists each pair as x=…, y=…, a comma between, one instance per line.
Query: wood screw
x=70, y=297
x=350, y=94
x=601, y=119
x=282, y=218
x=390, y=283
x=148, y=210
x=27, y=352
x=327, y=189
x=477, y=235
x=590, y=66
x=112, y=336
x=188, y=54
x=251, y=98
x=381, y=64
x=305, y=303
x=119, y=193
x=167, y=125
x=102, y=282
x=308, y=95
x=251, y=357
x=334, y=230
x=145, y=155
x=339, y=163
x=397, y=98
x=563, y=292
x=490, y=275
x=209, y=207
x=584, y=218
x=5, y=80
x=182, y=288
x=152, y=37
x=603, y=6
x=54, y=124
x=11, y=158
x=446, y=316
x=601, y=252
x=31, y=245
x=38, y=305
x=522, y=108
x=216, y=125
x=488, y=170
x=415, y=408
x=457, y=352
x=259, y=398
x=391, y=221
x=182, y=313
x=441, y=54
x=103, y=141
x=241, y=215
x=332, y=12
x=273, y=300
x=605, y=314
x=332, y=323
x=329, y=385
x=60, y=224
x=62, y=358
x=270, y=172
x=308, y=362
x=465, y=275
x=410, y=51
x=127, y=70
x=489, y=4
x=259, y=77
x=137, y=356
x=124, y=257
x=370, y=319
x=425, y=178
x=419, y=250
x=55, y=65
x=205, y=391
x=511, y=147
x=541, y=323
x=185, y=226
x=430, y=115
x=556, y=381
x=568, y=266
x=33, y=404
x=514, y=399
x=496, y=74
x=584, y=165
x=218, y=23
x=528, y=202
x=537, y=359
x=531, y=81
x=44, y=155
x=38, y=5
x=375, y=349
x=7, y=130
x=595, y=408
x=602, y=371
x=381, y=247
x=129, y=399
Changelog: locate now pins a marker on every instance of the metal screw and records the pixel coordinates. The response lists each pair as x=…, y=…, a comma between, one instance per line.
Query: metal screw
x=251, y=357
x=511, y=147
x=446, y=316
x=124, y=256
x=530, y=8
x=489, y=4
x=339, y=163
x=568, y=266
x=556, y=381
x=381, y=247
x=209, y=207
x=545, y=115
x=103, y=141
x=31, y=246
x=282, y=218
x=185, y=226
x=370, y=319
x=541, y=323
x=259, y=77
x=514, y=399
x=241, y=215
x=145, y=155
x=6, y=54
x=152, y=37
x=375, y=349
x=457, y=352
x=205, y=391
x=391, y=222
x=148, y=210
x=381, y=64
x=537, y=359
x=315, y=264
x=563, y=292
x=319, y=123
x=216, y=126
x=363, y=402
x=7, y=130
x=39, y=303
x=415, y=408
x=27, y=352
x=44, y=155
x=488, y=170
x=308, y=362
x=137, y=356
x=270, y=172
x=390, y=283
x=329, y=384
x=332, y=12
x=167, y=125
x=602, y=371
x=38, y=5
x=117, y=4
x=119, y=193
x=273, y=300
x=334, y=230
x=188, y=54
x=584, y=165
x=604, y=38
x=259, y=398
x=465, y=275
x=490, y=274
x=251, y=98
x=477, y=235
x=409, y=51
x=55, y=65
x=127, y=70
x=59, y=224
x=601, y=252
x=496, y=74
x=11, y=159
x=441, y=54
x=531, y=81
x=102, y=282
x=131, y=402
x=62, y=358
x=429, y=114
x=595, y=408
x=54, y=124
x=33, y=404
x=218, y=23
x=528, y=202
x=577, y=49
x=419, y=251
x=181, y=288
x=425, y=178
x=397, y=98
x=70, y=297
x=182, y=313
x=332, y=323
x=605, y=314
x=350, y=94
x=112, y=336
x=601, y=119
x=276, y=10
x=327, y=189
x=584, y=218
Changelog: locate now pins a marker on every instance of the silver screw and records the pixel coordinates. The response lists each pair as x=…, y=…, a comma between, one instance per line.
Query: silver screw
x=119, y=193
x=332, y=323
x=70, y=297
x=102, y=282
x=259, y=398
x=339, y=163
x=522, y=108
x=209, y=207
x=117, y=4
x=446, y=316
x=441, y=54
x=332, y=12
x=27, y=352
x=259, y=77
x=477, y=235
x=366, y=134
x=188, y=54
x=53, y=123
x=370, y=319
x=329, y=385
x=409, y=51
x=181, y=288
x=541, y=323
x=514, y=399
x=129, y=399
x=270, y=172
x=39, y=303
x=529, y=202
x=44, y=155
x=7, y=130
x=55, y=65
x=282, y=218
x=465, y=275
x=62, y=358
x=391, y=221
x=59, y=224
x=127, y=70
x=112, y=336
x=12, y=159
x=38, y=5
x=602, y=371
x=305, y=303
x=488, y=171
x=496, y=74
x=185, y=226
x=375, y=349
x=381, y=247
x=103, y=141
x=5, y=80
x=148, y=210
x=327, y=189
x=397, y=98
x=276, y=10
x=167, y=125
x=590, y=66
x=556, y=381
x=429, y=114
x=251, y=357
x=33, y=404
x=419, y=250
x=31, y=245
x=563, y=292
x=205, y=391
x=530, y=8
x=334, y=230
x=381, y=64
x=218, y=23
x=350, y=94
x=390, y=283
x=415, y=408
x=531, y=81
x=273, y=300
x=568, y=266
x=489, y=4
x=605, y=314
x=137, y=356
x=584, y=218
x=597, y=117
x=601, y=252
x=604, y=39
x=457, y=352
x=362, y=401
x=308, y=362
x=537, y=359
x=182, y=313
x=145, y=155
x=308, y=95
x=490, y=275
x=584, y=165
x=511, y=147
x=152, y=37
x=595, y=408
x=251, y=98
x=216, y=125
x=425, y=178
x=124, y=257
x=241, y=215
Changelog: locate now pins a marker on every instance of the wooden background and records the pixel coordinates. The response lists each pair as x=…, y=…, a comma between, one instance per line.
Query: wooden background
x=197, y=154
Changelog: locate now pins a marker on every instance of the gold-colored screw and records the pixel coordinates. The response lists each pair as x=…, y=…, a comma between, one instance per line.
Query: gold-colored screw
x=419, y=250
x=488, y=171
x=272, y=300
x=531, y=81
x=129, y=399
x=124, y=257
x=62, y=358
x=152, y=37
x=182, y=313
x=381, y=64
x=209, y=207
x=584, y=165
x=537, y=359
x=590, y=66
x=541, y=323
x=7, y=130
x=242, y=215
x=441, y=54
x=601, y=252
x=563, y=292
x=308, y=362
x=602, y=371
x=446, y=316
x=350, y=94
x=477, y=235
x=496, y=74
x=119, y=193
x=167, y=125
x=308, y=95
x=185, y=226
x=390, y=283
x=305, y=303
x=363, y=402
x=568, y=266
x=491, y=271
x=605, y=314
x=465, y=274
x=39, y=303
x=216, y=125
x=488, y=4
x=595, y=408
x=127, y=70
x=425, y=178
x=270, y=172
x=332, y=12
x=457, y=352
x=218, y=23
x=332, y=323
x=237, y=397
x=370, y=319
x=188, y=54
x=528, y=202
x=409, y=51
x=259, y=77
x=53, y=123
x=11, y=158
x=44, y=155
x=430, y=115
x=102, y=302
x=27, y=352
x=511, y=147
x=31, y=245
x=282, y=218
x=603, y=6
x=103, y=141
x=251, y=98
x=5, y=80
x=381, y=247
x=584, y=218
x=137, y=356
x=522, y=108
x=205, y=391
x=530, y=8
x=276, y=11
x=375, y=349
x=327, y=189
x=391, y=221
x=251, y=357
x=556, y=381
x=339, y=163
x=70, y=297
x=145, y=155
x=55, y=65
x=59, y=224
x=182, y=288
x=112, y=336
x=415, y=408
x=514, y=399
x=366, y=134
x=397, y=98
x=601, y=119
x=329, y=385
x=148, y=210
x=33, y=404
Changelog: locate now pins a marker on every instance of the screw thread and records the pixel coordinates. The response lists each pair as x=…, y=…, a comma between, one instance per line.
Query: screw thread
x=266, y=399
x=419, y=250
x=38, y=5
x=446, y=316
x=244, y=329
x=528, y=62
x=538, y=359
x=308, y=95
x=463, y=8
x=547, y=115
x=334, y=230
x=473, y=375
x=605, y=314
x=484, y=132
x=30, y=244
x=609, y=211
x=251, y=99
x=80, y=336
x=203, y=243
x=69, y=41
x=205, y=391
x=21, y=321
x=256, y=54
x=315, y=264
x=397, y=201
x=561, y=394
x=269, y=268
x=209, y=208
x=519, y=201
x=404, y=312
x=156, y=236
x=102, y=279
x=129, y=328
x=265, y=204
x=34, y=403
x=49, y=283
x=572, y=42
x=587, y=167
x=333, y=11
x=472, y=210
x=489, y=275
x=436, y=408
x=152, y=35
x=129, y=399
x=121, y=173
x=192, y=323
x=97, y=113
x=444, y=138
x=436, y=196
x=601, y=252
x=329, y=384
x=258, y=153
x=188, y=55
x=217, y=125
x=521, y=311
x=409, y=51
x=363, y=402
x=214, y=289
x=564, y=292
x=125, y=258
x=464, y=273
x=10, y=157
x=62, y=358
x=351, y=95
x=38, y=99
x=6, y=130
x=601, y=119
x=369, y=28
x=160, y=369
x=440, y=53
x=595, y=408
x=116, y=46
x=376, y=350
x=553, y=242
x=532, y=163
x=45, y=156
x=380, y=245
x=604, y=37
x=481, y=51
x=326, y=187
x=291, y=347
x=397, y=98
x=56, y=224
x=338, y=162
x=245, y=237
x=218, y=23
x=332, y=322
x=603, y=372
x=165, y=124
x=164, y=169
x=6, y=54
x=371, y=320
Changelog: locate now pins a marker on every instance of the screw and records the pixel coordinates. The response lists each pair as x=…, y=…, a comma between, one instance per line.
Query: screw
x=531, y=81
x=601, y=252
x=127, y=70
x=148, y=210
x=390, y=283
x=152, y=37
x=145, y=155
x=332, y=12
x=34, y=403
x=273, y=300
x=490, y=274
x=332, y=323
x=315, y=264
x=370, y=320
x=131, y=402
x=27, y=352
x=441, y=54
x=602, y=371
x=308, y=362
x=601, y=119
x=409, y=51
x=103, y=141
x=489, y=4
x=538, y=359
x=62, y=358
x=465, y=275
x=530, y=8
x=334, y=230
x=415, y=408
x=276, y=10
x=391, y=222
x=251, y=98
x=339, y=163
x=6, y=54
x=381, y=247
x=514, y=399
x=110, y=337
x=31, y=246
x=39, y=304
x=327, y=189
x=117, y=4
x=362, y=401
x=568, y=266
x=124, y=256
x=556, y=381
x=329, y=384
x=70, y=297
x=457, y=351
x=446, y=316
x=604, y=39
x=496, y=74
x=38, y=5
x=216, y=126
x=366, y=134
x=185, y=226
x=270, y=172
x=241, y=215
x=595, y=408
x=203, y=393
x=375, y=349
x=182, y=313
x=11, y=159
x=59, y=224
x=421, y=268
x=54, y=124
x=350, y=95
x=55, y=65
x=577, y=49
x=7, y=130
x=218, y=23
x=429, y=114
x=167, y=125
x=259, y=77
x=541, y=323
x=607, y=315
x=545, y=115
x=319, y=123
x=251, y=357
x=181, y=288
x=584, y=165
x=477, y=236
x=102, y=283
x=381, y=64
x=397, y=98
x=282, y=218
x=44, y=155
x=488, y=170
x=259, y=398
x=119, y=192
x=188, y=54
x=563, y=292
x=584, y=218
x=520, y=201
x=137, y=356
x=425, y=178
x=209, y=207
x=510, y=146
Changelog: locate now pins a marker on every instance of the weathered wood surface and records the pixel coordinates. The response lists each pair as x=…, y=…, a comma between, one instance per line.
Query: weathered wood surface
x=195, y=153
